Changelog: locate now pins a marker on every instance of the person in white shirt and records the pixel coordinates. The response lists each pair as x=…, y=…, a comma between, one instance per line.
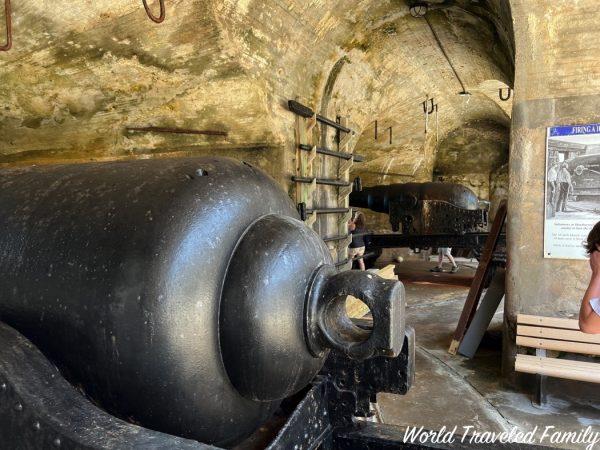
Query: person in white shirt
x=563, y=179
x=589, y=313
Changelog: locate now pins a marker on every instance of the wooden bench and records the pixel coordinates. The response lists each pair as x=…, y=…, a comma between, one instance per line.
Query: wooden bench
x=562, y=335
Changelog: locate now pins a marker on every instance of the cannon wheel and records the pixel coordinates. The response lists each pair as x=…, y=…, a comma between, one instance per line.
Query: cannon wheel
x=40, y=409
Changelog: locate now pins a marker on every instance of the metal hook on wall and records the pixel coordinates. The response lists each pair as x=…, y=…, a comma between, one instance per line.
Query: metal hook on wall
x=377, y=131
x=152, y=17
x=427, y=110
x=434, y=108
x=426, y=115
x=8, y=13
x=437, y=124
x=508, y=94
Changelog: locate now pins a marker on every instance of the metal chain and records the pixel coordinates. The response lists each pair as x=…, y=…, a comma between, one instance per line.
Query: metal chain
x=152, y=17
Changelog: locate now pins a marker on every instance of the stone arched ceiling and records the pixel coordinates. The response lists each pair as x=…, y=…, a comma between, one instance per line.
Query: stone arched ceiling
x=410, y=67
x=81, y=71
x=475, y=147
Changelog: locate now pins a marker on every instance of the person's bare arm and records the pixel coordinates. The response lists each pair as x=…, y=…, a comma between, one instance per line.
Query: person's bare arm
x=589, y=320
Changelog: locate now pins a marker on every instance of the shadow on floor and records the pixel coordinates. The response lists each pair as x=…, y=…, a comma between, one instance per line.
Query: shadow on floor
x=453, y=390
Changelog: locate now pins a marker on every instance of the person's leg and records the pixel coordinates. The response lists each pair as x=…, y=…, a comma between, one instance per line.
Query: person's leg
x=361, y=261
x=452, y=261
x=559, y=201
x=564, y=188
x=438, y=268
x=352, y=254
x=361, y=264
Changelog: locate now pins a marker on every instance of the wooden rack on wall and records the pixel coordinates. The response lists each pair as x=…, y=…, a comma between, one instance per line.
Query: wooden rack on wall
x=343, y=198
x=307, y=149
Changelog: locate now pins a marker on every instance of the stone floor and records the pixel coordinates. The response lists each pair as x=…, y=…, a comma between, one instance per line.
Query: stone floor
x=453, y=390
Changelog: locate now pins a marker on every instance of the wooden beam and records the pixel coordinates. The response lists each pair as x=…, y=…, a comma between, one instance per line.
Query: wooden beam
x=484, y=315
x=343, y=198
x=483, y=268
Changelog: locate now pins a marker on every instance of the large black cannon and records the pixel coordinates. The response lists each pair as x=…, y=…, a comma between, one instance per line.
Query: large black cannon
x=425, y=208
x=183, y=295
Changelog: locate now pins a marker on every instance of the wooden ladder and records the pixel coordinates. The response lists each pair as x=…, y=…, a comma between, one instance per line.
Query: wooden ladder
x=306, y=138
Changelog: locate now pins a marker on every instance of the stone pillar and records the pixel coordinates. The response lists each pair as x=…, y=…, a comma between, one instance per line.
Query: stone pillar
x=557, y=82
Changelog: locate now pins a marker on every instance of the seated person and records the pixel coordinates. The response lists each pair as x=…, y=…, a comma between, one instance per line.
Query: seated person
x=589, y=314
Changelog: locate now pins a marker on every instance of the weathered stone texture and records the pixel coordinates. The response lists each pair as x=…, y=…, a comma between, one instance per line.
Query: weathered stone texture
x=82, y=71
x=556, y=83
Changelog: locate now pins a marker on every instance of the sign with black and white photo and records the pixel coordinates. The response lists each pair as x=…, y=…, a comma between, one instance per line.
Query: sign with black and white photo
x=572, y=200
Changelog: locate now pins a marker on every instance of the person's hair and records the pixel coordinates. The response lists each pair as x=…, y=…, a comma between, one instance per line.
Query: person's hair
x=359, y=220
x=593, y=240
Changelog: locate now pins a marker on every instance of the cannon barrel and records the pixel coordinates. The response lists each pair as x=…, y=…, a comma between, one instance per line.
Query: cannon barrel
x=182, y=294
x=424, y=208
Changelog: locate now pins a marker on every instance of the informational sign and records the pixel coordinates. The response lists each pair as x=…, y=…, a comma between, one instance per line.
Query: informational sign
x=572, y=199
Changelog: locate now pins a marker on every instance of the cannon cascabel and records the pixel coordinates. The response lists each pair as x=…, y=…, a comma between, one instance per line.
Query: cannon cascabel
x=182, y=294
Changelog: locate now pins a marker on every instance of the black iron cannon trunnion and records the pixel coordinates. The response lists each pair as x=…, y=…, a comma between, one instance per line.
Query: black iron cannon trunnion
x=183, y=295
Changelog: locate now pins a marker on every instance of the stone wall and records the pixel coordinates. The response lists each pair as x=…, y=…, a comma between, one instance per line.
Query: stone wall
x=79, y=73
x=557, y=82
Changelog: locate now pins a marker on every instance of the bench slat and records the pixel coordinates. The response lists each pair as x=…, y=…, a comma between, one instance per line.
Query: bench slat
x=552, y=322
x=561, y=346
x=565, y=363
x=558, y=368
x=556, y=333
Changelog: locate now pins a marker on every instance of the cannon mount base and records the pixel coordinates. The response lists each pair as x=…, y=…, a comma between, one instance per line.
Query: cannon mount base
x=40, y=409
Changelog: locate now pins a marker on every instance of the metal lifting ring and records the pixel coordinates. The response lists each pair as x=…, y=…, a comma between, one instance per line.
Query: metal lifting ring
x=153, y=18
x=8, y=13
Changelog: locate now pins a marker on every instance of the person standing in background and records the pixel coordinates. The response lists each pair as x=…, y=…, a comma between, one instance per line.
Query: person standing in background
x=552, y=185
x=357, y=227
x=563, y=180
x=447, y=252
